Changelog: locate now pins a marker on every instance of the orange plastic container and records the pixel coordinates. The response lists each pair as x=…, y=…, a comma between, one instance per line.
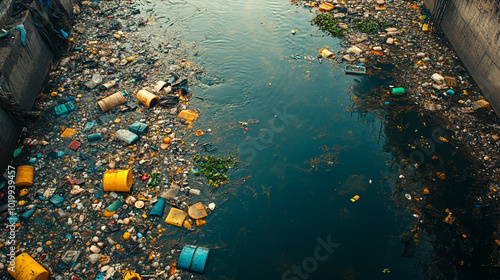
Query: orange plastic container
x=24, y=176
x=117, y=180
x=26, y=268
x=147, y=98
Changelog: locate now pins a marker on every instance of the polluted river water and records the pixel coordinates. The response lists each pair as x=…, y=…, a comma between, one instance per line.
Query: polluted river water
x=332, y=182
x=303, y=154
x=316, y=165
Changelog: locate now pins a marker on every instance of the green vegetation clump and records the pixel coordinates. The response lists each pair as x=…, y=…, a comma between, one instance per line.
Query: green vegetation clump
x=154, y=179
x=214, y=169
x=371, y=25
x=328, y=23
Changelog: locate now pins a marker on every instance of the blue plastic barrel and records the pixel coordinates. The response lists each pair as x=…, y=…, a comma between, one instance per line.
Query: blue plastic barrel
x=200, y=260
x=138, y=127
x=127, y=136
x=158, y=208
x=193, y=259
x=186, y=257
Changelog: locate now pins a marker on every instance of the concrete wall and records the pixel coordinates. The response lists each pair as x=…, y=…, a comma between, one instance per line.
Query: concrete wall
x=5, y=6
x=473, y=28
x=23, y=70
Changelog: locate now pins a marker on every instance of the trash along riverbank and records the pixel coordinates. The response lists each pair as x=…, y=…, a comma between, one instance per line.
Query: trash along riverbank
x=111, y=161
x=94, y=174
x=435, y=107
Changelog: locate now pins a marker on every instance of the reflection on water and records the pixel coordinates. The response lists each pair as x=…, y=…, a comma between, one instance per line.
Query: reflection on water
x=437, y=182
x=305, y=150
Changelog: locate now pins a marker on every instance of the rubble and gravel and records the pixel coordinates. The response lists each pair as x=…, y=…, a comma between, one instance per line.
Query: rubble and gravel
x=70, y=225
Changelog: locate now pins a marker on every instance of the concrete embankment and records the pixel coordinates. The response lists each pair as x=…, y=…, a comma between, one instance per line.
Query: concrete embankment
x=23, y=67
x=473, y=28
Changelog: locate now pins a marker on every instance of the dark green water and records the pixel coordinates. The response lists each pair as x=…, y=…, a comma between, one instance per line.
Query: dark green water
x=307, y=156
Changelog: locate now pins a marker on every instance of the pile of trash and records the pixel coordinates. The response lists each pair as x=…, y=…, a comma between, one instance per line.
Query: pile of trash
x=427, y=67
x=107, y=158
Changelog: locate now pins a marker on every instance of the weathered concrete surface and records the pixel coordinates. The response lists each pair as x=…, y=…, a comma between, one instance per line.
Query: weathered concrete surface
x=23, y=70
x=473, y=28
x=5, y=7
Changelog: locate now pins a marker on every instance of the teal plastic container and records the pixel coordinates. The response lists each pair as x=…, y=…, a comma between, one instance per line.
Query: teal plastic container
x=94, y=137
x=63, y=109
x=26, y=215
x=158, y=208
x=193, y=259
x=115, y=206
x=138, y=127
x=398, y=91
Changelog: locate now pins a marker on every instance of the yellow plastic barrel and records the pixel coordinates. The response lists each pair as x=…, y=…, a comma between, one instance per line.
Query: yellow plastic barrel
x=117, y=180
x=26, y=268
x=111, y=101
x=24, y=176
x=147, y=98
